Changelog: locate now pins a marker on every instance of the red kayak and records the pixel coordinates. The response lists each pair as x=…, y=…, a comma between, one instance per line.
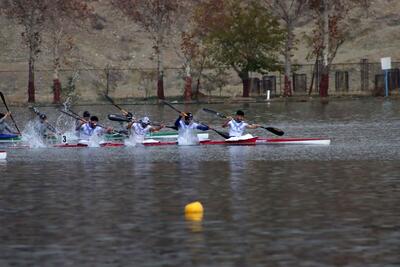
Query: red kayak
x=246, y=142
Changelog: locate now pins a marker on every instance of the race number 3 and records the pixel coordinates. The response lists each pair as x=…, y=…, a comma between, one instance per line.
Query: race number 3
x=64, y=139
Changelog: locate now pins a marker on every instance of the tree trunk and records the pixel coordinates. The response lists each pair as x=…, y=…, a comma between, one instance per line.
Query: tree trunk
x=188, y=85
x=56, y=91
x=31, y=81
x=188, y=88
x=56, y=87
x=197, y=88
x=324, y=84
x=246, y=87
x=287, y=91
x=160, y=86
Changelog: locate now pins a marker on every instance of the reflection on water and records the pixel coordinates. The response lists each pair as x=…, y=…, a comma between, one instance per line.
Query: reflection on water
x=263, y=205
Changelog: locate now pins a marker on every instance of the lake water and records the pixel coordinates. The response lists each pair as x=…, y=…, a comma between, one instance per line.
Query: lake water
x=292, y=205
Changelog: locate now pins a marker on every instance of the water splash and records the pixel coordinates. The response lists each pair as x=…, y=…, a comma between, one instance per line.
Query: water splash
x=131, y=141
x=31, y=136
x=187, y=137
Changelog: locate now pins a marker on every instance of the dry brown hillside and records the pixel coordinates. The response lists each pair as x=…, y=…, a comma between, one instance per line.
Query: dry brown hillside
x=113, y=40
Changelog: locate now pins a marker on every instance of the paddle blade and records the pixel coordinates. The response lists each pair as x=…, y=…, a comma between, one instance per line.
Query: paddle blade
x=223, y=134
x=115, y=117
x=273, y=130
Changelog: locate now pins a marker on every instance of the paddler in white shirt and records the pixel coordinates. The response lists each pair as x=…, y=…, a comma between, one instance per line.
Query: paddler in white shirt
x=237, y=126
x=90, y=129
x=4, y=126
x=140, y=128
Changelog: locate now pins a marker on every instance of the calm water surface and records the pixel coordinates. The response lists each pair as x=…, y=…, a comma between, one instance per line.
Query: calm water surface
x=336, y=205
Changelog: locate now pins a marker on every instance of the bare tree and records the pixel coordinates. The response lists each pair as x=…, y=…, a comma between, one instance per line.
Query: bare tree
x=331, y=30
x=30, y=14
x=156, y=17
x=36, y=18
x=61, y=17
x=289, y=12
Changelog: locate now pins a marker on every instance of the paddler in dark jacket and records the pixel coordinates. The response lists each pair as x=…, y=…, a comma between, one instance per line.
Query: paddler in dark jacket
x=186, y=128
x=3, y=124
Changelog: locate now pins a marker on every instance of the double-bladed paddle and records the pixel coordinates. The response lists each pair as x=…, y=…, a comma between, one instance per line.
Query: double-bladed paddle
x=77, y=117
x=125, y=112
x=49, y=125
x=121, y=118
x=273, y=130
x=224, y=135
x=11, y=116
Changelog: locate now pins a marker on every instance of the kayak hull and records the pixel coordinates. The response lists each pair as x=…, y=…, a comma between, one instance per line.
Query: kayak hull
x=3, y=155
x=247, y=142
x=294, y=141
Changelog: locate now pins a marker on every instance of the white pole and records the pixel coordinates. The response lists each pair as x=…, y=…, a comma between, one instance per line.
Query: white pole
x=268, y=94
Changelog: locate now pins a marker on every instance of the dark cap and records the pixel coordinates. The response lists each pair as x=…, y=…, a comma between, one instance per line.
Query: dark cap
x=86, y=114
x=240, y=113
x=94, y=118
x=189, y=116
x=42, y=116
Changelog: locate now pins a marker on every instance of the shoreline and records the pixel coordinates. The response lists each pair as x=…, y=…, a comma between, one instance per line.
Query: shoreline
x=212, y=100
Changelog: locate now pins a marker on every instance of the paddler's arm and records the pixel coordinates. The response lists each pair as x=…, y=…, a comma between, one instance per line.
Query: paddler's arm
x=156, y=128
x=228, y=119
x=5, y=116
x=79, y=126
x=177, y=122
x=7, y=128
x=133, y=120
x=202, y=127
x=252, y=126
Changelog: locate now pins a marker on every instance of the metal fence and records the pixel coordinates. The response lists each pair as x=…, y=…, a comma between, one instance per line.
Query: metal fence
x=361, y=78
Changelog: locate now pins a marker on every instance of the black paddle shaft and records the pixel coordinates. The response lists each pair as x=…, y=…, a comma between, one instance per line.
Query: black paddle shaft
x=117, y=106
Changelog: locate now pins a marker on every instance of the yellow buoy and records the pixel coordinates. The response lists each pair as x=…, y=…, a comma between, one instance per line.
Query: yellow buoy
x=194, y=207
x=194, y=211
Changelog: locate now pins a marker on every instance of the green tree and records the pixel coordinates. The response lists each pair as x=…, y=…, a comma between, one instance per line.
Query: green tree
x=243, y=36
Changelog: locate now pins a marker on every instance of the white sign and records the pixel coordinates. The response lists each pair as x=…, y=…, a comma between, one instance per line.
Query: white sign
x=386, y=63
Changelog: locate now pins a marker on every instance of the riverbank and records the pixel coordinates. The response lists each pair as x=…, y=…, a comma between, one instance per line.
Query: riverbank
x=211, y=100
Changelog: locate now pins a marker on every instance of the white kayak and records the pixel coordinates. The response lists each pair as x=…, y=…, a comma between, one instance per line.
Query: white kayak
x=294, y=141
x=3, y=155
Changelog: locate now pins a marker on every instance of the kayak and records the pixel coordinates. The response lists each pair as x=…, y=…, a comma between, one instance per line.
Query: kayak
x=294, y=141
x=243, y=142
x=3, y=155
x=173, y=135
x=10, y=138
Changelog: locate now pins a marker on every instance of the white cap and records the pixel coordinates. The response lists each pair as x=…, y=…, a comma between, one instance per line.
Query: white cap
x=145, y=120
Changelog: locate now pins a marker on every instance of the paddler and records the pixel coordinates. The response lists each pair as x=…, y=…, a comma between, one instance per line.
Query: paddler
x=79, y=123
x=43, y=128
x=186, y=128
x=90, y=128
x=3, y=124
x=237, y=125
x=140, y=128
